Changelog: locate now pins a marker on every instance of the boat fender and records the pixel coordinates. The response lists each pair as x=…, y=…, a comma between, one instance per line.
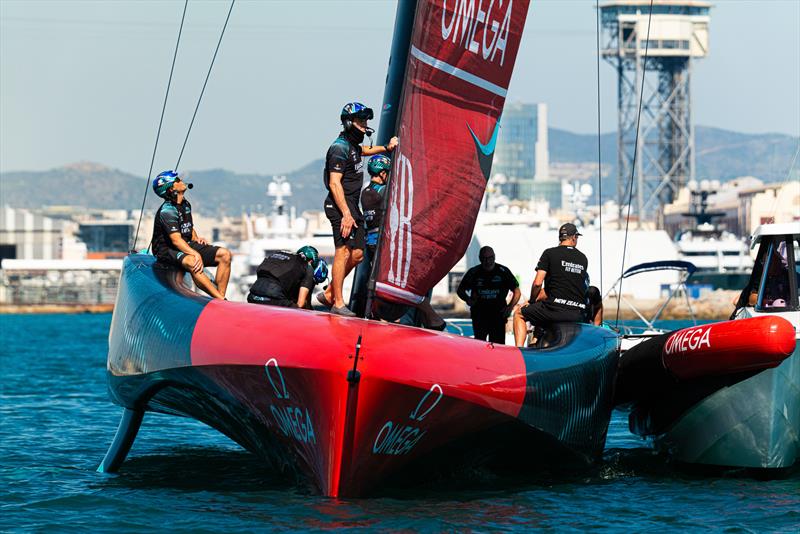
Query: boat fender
x=728, y=347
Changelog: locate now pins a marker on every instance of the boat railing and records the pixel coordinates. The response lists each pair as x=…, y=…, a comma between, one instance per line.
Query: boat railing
x=685, y=270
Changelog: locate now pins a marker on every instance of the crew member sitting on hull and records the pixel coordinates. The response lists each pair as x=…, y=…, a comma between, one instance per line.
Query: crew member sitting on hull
x=175, y=240
x=343, y=177
x=488, y=285
x=562, y=272
x=379, y=167
x=286, y=279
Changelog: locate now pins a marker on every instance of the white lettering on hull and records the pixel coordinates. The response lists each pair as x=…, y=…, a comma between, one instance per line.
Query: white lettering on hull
x=291, y=419
x=397, y=439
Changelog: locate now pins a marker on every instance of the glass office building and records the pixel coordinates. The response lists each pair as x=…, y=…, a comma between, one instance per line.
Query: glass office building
x=522, y=154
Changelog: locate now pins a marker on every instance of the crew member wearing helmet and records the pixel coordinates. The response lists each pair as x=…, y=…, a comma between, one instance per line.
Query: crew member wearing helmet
x=343, y=177
x=379, y=167
x=175, y=240
x=286, y=279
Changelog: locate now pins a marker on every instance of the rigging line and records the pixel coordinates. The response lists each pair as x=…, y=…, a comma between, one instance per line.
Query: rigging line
x=203, y=90
x=599, y=158
x=158, y=133
x=633, y=164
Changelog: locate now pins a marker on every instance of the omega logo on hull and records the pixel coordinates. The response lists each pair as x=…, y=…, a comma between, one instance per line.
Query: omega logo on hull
x=293, y=421
x=397, y=439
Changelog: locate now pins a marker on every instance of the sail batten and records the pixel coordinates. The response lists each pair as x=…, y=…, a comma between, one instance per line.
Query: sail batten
x=458, y=70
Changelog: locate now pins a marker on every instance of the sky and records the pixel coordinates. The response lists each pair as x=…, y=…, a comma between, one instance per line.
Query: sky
x=85, y=81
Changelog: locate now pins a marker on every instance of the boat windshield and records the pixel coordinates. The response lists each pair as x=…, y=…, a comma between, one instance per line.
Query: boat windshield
x=778, y=288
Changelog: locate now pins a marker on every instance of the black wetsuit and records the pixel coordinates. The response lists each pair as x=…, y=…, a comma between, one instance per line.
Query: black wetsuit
x=172, y=217
x=280, y=277
x=489, y=291
x=344, y=156
x=372, y=203
x=565, y=283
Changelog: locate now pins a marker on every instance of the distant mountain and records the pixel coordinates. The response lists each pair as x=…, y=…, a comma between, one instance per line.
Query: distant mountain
x=721, y=155
x=215, y=192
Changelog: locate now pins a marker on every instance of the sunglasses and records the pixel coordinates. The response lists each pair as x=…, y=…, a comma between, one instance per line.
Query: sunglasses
x=486, y=258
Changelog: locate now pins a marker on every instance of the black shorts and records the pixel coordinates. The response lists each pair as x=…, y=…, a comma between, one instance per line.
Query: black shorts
x=491, y=324
x=207, y=252
x=356, y=237
x=540, y=313
x=255, y=299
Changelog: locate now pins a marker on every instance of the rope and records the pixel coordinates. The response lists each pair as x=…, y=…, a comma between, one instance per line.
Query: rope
x=158, y=134
x=208, y=74
x=599, y=158
x=633, y=165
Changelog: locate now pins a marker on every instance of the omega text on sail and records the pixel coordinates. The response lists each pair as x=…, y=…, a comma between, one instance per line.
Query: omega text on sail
x=477, y=30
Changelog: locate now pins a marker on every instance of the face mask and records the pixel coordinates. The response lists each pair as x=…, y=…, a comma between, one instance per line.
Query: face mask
x=355, y=135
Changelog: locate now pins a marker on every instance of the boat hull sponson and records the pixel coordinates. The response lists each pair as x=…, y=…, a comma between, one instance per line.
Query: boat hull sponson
x=346, y=402
x=753, y=423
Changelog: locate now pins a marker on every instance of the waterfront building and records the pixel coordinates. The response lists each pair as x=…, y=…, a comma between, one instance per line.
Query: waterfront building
x=25, y=234
x=106, y=239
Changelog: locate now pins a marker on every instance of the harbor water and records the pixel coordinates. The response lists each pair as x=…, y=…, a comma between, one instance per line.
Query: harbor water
x=56, y=422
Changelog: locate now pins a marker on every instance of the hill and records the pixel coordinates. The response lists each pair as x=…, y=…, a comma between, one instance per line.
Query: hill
x=721, y=155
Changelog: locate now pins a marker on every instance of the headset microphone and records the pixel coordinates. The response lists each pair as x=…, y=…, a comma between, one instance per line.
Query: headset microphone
x=189, y=186
x=368, y=132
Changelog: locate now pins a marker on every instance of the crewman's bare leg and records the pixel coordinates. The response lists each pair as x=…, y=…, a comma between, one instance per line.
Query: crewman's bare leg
x=223, y=258
x=201, y=280
x=520, y=327
x=344, y=261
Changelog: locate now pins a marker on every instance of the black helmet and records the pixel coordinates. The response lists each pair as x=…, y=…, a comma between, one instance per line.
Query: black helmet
x=355, y=110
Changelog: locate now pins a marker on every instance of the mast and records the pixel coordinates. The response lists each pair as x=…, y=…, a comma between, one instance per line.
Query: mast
x=364, y=279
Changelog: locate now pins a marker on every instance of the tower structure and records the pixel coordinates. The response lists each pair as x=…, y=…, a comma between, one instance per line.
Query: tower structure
x=664, y=158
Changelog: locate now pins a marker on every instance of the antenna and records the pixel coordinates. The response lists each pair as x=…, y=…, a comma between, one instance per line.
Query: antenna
x=666, y=155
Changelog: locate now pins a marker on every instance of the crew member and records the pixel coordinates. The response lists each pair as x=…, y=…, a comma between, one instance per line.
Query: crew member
x=175, y=240
x=379, y=167
x=286, y=279
x=594, y=306
x=562, y=272
x=343, y=177
x=485, y=289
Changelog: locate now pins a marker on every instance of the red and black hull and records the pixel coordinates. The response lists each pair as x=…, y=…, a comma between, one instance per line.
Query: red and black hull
x=346, y=403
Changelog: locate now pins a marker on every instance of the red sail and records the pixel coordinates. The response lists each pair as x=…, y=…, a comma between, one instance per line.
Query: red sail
x=459, y=67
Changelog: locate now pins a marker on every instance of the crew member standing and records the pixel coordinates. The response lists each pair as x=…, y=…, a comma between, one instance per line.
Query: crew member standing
x=343, y=177
x=561, y=271
x=485, y=289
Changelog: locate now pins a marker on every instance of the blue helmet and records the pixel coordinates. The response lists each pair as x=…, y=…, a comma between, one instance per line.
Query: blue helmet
x=355, y=110
x=378, y=163
x=164, y=182
x=321, y=271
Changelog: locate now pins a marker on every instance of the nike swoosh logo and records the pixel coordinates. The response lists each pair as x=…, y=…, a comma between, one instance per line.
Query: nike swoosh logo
x=486, y=151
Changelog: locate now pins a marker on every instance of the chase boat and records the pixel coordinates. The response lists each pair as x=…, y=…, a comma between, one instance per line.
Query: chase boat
x=728, y=393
